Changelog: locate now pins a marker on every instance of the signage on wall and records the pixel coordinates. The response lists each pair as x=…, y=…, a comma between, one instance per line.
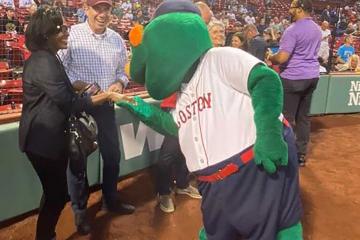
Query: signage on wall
x=133, y=142
x=354, y=94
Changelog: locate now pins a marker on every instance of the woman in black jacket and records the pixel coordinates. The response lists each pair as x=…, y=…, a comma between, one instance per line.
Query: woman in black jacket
x=48, y=101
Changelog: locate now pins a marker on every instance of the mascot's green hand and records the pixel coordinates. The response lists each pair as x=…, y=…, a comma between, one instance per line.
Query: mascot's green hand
x=151, y=115
x=270, y=152
x=267, y=99
x=202, y=234
x=138, y=107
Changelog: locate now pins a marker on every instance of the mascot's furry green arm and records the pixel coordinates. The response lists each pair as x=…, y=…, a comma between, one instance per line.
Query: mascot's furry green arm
x=266, y=93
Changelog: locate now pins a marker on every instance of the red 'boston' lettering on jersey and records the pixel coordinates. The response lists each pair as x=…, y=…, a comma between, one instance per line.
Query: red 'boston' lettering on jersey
x=190, y=110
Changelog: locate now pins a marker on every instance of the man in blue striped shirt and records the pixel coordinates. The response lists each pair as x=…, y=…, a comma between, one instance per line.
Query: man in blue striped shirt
x=97, y=54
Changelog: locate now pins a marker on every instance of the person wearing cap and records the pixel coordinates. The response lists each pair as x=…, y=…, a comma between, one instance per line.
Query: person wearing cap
x=98, y=54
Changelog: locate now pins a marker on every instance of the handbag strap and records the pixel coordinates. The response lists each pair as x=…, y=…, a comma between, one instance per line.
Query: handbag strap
x=67, y=80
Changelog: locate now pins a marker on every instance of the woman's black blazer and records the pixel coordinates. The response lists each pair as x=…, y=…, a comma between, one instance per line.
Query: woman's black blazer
x=48, y=100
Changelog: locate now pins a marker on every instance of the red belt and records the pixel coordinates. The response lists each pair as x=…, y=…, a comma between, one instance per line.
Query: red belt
x=286, y=122
x=229, y=169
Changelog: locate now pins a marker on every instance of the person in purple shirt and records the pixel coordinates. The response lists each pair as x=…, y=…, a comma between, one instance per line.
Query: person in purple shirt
x=297, y=55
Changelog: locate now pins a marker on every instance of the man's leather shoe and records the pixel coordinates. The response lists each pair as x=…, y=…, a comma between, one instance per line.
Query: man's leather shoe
x=302, y=160
x=82, y=225
x=84, y=228
x=118, y=207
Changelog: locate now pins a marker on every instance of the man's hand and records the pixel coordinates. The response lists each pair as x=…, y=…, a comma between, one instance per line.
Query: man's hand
x=268, y=54
x=116, y=87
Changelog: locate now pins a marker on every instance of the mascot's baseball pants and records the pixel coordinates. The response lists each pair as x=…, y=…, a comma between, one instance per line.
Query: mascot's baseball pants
x=250, y=203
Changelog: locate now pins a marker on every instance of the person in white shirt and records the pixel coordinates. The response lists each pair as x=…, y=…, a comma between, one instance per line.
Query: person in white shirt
x=96, y=53
x=25, y=3
x=242, y=10
x=249, y=19
x=7, y=3
x=324, y=45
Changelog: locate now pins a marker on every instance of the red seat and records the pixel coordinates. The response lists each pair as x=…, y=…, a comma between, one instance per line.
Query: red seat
x=6, y=74
x=15, y=95
x=17, y=83
x=16, y=57
x=4, y=65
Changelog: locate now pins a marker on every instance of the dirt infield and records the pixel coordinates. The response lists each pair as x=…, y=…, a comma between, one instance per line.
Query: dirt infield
x=330, y=187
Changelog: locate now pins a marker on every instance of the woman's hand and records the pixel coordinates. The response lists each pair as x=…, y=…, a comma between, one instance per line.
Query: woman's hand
x=79, y=85
x=118, y=97
x=110, y=96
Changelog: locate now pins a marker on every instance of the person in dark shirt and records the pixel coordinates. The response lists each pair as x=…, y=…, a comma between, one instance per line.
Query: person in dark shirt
x=255, y=43
x=48, y=101
x=325, y=15
x=262, y=26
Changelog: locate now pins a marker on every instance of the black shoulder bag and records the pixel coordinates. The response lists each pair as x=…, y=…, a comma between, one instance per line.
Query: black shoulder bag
x=82, y=136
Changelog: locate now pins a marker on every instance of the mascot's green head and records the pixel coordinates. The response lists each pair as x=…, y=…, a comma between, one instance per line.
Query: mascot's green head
x=168, y=47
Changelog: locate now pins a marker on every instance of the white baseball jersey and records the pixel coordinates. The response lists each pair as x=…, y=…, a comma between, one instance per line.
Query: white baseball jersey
x=214, y=110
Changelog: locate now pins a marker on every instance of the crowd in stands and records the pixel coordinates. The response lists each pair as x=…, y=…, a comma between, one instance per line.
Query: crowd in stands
x=255, y=26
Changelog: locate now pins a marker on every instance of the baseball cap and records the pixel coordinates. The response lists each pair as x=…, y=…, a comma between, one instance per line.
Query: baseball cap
x=92, y=3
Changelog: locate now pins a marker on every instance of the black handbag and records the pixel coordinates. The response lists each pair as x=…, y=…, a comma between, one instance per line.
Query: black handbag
x=82, y=135
x=82, y=141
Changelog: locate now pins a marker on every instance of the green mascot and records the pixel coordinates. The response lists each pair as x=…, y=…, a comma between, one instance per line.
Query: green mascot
x=229, y=123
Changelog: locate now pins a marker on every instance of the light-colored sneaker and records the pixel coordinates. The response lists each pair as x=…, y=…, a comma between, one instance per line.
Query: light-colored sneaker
x=190, y=191
x=166, y=203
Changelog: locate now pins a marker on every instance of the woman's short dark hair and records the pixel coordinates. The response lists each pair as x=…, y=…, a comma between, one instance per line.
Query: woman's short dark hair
x=44, y=23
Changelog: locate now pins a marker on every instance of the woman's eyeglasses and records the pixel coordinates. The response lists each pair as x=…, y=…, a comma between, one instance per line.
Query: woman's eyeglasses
x=63, y=29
